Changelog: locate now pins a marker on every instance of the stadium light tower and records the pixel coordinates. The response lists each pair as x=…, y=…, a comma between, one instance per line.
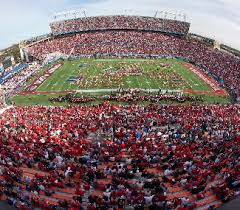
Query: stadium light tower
x=79, y=13
x=84, y=12
x=185, y=17
x=165, y=15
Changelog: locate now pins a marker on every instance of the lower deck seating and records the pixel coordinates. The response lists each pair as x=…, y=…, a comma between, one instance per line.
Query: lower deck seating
x=179, y=157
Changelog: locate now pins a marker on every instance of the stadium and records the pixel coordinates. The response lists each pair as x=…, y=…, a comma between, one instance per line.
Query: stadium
x=120, y=112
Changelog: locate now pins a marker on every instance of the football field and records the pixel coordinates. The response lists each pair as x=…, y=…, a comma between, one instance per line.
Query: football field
x=101, y=76
x=119, y=73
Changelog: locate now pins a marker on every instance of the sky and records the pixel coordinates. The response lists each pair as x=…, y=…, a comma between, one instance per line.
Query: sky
x=23, y=19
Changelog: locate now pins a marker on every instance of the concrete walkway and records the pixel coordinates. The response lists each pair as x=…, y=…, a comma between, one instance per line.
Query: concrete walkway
x=4, y=109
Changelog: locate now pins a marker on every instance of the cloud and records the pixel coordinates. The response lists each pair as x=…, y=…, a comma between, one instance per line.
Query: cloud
x=218, y=19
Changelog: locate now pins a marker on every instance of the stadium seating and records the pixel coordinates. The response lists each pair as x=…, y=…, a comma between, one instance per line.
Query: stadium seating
x=131, y=157
x=18, y=68
x=17, y=79
x=120, y=23
x=179, y=157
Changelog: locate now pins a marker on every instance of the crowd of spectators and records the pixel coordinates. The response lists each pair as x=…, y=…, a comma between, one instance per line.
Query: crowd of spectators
x=123, y=157
x=6, y=71
x=144, y=154
x=223, y=65
x=17, y=80
x=120, y=23
x=2, y=98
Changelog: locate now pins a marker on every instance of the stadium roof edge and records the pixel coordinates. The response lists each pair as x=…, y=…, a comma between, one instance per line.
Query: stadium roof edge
x=146, y=16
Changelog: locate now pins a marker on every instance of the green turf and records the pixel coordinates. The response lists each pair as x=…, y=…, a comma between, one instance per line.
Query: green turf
x=59, y=80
